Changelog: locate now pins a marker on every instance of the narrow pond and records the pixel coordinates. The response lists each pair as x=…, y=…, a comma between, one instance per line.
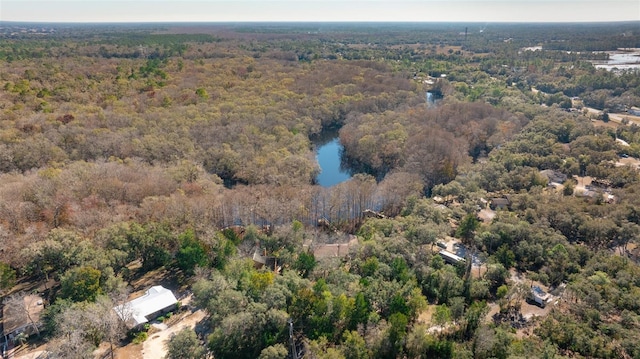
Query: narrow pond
x=329, y=157
x=329, y=153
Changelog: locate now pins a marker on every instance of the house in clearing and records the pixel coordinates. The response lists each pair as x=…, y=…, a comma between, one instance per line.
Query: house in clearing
x=554, y=176
x=499, y=203
x=260, y=261
x=21, y=315
x=155, y=302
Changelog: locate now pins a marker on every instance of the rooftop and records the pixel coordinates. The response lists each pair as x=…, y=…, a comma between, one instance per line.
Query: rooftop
x=450, y=256
x=16, y=314
x=136, y=311
x=537, y=291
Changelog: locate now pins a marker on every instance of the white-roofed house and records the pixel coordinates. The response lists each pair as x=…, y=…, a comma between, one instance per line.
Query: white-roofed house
x=155, y=302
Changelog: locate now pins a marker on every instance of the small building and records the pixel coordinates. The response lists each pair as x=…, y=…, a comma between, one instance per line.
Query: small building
x=446, y=200
x=260, y=261
x=155, y=302
x=554, y=176
x=369, y=213
x=499, y=203
x=605, y=195
x=538, y=296
x=22, y=315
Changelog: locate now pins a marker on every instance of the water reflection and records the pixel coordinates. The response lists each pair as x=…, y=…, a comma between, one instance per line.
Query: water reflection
x=432, y=99
x=620, y=60
x=329, y=157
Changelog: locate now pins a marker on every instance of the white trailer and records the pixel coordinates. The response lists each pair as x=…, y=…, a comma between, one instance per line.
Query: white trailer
x=538, y=296
x=450, y=258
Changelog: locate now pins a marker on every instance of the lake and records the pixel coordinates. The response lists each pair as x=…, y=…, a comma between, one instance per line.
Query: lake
x=620, y=60
x=329, y=156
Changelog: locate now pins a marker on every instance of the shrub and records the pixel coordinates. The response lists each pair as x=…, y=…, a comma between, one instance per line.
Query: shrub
x=139, y=337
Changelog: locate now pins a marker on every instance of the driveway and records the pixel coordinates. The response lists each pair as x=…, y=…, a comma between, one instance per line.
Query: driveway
x=155, y=346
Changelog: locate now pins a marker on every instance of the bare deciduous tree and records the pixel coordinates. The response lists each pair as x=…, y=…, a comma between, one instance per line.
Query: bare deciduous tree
x=23, y=312
x=84, y=326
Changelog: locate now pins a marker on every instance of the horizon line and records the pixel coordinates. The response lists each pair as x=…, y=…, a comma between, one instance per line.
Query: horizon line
x=321, y=22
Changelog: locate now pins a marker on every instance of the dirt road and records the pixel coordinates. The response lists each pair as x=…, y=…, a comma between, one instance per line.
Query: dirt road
x=616, y=117
x=154, y=347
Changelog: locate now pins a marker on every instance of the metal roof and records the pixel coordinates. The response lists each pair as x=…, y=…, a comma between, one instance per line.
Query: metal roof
x=136, y=311
x=450, y=256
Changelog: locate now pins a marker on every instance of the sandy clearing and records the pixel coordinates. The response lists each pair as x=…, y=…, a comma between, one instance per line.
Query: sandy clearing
x=617, y=118
x=629, y=161
x=154, y=347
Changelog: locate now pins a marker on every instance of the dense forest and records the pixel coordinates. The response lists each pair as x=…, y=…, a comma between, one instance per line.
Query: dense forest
x=183, y=151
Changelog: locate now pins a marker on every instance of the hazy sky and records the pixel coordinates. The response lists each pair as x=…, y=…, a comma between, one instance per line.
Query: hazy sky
x=319, y=10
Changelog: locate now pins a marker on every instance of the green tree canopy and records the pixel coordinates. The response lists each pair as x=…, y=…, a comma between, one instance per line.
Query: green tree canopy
x=81, y=284
x=185, y=345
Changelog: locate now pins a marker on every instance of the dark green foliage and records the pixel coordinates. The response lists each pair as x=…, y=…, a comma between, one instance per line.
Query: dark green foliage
x=467, y=227
x=51, y=313
x=81, y=284
x=185, y=345
x=442, y=284
x=588, y=327
x=369, y=267
x=472, y=319
x=436, y=348
x=191, y=254
x=575, y=336
x=496, y=275
x=152, y=243
x=246, y=334
x=305, y=263
x=399, y=270
x=231, y=235
x=360, y=313
x=302, y=307
x=354, y=346
x=505, y=256
x=398, y=304
x=397, y=333
x=155, y=256
x=223, y=252
x=7, y=276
